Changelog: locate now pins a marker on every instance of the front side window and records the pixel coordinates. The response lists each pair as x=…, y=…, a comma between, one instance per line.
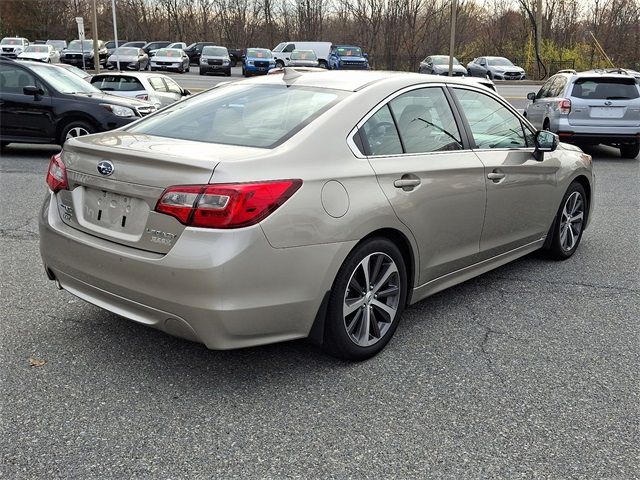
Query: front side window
x=425, y=121
x=260, y=116
x=289, y=48
x=492, y=124
x=172, y=87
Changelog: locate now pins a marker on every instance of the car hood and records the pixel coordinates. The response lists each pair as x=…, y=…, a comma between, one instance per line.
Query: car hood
x=37, y=56
x=113, y=99
x=123, y=58
x=159, y=58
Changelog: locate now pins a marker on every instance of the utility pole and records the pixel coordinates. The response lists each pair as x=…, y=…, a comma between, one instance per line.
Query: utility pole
x=96, y=55
x=452, y=45
x=539, y=35
x=115, y=32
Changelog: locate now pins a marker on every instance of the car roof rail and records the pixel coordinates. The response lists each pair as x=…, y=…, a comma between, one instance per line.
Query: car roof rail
x=620, y=70
x=568, y=70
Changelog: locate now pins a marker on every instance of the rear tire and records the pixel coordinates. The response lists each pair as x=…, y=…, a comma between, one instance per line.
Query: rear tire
x=76, y=128
x=279, y=64
x=361, y=318
x=568, y=226
x=630, y=151
x=546, y=125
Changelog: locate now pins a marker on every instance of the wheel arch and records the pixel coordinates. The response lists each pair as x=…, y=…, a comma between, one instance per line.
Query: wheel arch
x=69, y=117
x=584, y=182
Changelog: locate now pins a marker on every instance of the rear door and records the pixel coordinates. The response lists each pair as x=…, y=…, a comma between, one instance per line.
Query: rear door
x=606, y=101
x=174, y=91
x=434, y=184
x=161, y=91
x=520, y=189
x=537, y=111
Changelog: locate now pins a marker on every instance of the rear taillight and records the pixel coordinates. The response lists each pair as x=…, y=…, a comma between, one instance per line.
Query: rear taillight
x=57, y=174
x=564, y=106
x=142, y=96
x=232, y=205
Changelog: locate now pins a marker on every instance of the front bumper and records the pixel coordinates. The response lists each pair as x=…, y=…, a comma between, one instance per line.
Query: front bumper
x=509, y=76
x=165, y=66
x=9, y=54
x=77, y=62
x=123, y=66
x=226, y=289
x=258, y=70
x=206, y=68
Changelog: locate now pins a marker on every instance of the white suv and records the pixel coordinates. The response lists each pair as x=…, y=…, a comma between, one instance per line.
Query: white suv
x=590, y=108
x=13, y=46
x=282, y=53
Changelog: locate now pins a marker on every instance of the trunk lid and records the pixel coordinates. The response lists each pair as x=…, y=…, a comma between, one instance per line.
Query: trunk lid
x=116, y=179
x=605, y=101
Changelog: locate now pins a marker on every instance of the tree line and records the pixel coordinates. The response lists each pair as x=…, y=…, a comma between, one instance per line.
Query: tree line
x=397, y=34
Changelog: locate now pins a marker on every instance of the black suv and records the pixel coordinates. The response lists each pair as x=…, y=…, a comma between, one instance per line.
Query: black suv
x=80, y=54
x=41, y=103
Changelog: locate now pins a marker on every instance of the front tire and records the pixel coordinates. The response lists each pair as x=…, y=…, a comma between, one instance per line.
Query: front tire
x=568, y=225
x=76, y=128
x=279, y=64
x=630, y=151
x=366, y=301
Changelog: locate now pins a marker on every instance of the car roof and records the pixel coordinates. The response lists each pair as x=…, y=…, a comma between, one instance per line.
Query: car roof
x=352, y=80
x=597, y=73
x=131, y=74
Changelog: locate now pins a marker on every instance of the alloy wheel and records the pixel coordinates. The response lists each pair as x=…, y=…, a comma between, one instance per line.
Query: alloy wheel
x=76, y=132
x=571, y=221
x=372, y=299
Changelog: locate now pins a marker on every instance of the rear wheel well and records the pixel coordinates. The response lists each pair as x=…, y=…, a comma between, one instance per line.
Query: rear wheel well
x=402, y=242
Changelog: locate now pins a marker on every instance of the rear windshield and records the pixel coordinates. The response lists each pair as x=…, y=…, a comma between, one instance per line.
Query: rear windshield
x=215, y=51
x=246, y=115
x=116, y=83
x=605, y=88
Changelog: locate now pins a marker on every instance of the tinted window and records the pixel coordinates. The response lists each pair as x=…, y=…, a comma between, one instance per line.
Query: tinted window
x=380, y=135
x=491, y=123
x=117, y=83
x=13, y=79
x=289, y=48
x=605, y=88
x=248, y=115
x=544, y=90
x=425, y=121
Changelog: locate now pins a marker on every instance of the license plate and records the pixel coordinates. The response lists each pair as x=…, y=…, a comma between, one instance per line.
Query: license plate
x=110, y=210
x=607, y=112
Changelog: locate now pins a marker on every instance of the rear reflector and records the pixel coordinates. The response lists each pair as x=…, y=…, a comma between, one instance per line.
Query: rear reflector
x=225, y=205
x=57, y=174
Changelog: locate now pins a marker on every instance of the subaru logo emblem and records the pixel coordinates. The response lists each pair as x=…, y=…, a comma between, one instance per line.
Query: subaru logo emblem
x=105, y=167
x=607, y=103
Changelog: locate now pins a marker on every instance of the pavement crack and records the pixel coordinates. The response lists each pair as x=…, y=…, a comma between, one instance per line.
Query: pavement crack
x=613, y=288
x=21, y=233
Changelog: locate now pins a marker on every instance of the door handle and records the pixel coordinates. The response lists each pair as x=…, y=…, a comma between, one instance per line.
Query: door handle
x=407, y=182
x=495, y=176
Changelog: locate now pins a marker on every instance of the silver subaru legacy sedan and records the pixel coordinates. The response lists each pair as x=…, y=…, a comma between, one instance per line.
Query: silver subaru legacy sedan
x=315, y=204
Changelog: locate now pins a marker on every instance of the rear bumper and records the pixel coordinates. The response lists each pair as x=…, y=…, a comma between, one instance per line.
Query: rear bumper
x=594, y=134
x=226, y=289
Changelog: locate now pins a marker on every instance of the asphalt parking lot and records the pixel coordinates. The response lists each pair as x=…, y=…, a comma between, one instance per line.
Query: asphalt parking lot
x=529, y=371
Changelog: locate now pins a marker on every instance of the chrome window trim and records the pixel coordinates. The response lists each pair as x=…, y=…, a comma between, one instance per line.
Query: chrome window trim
x=354, y=148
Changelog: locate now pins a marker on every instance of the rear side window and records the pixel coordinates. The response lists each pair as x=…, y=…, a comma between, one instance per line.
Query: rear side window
x=380, y=135
x=605, y=88
x=116, y=83
x=157, y=84
x=253, y=116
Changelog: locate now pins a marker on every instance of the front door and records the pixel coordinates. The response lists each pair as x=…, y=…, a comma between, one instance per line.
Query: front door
x=433, y=182
x=520, y=189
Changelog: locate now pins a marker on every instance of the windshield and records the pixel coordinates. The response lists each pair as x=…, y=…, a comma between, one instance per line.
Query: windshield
x=499, y=62
x=77, y=45
x=37, y=49
x=64, y=81
x=443, y=60
x=75, y=70
x=57, y=44
x=215, y=51
x=246, y=115
x=179, y=45
x=605, y=88
x=126, y=51
x=153, y=45
x=11, y=41
x=166, y=52
x=280, y=47
x=349, y=51
x=259, y=53
x=303, y=55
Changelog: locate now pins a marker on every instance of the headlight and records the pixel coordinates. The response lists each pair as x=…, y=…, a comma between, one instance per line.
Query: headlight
x=120, y=111
x=250, y=62
x=225, y=62
x=203, y=60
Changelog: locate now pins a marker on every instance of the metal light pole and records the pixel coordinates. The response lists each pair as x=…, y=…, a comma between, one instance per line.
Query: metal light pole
x=452, y=45
x=115, y=32
x=96, y=54
x=539, y=34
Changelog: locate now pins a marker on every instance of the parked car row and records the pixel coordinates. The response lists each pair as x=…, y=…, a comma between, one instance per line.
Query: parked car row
x=493, y=68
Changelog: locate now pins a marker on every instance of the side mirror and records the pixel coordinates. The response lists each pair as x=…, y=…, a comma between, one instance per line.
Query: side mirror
x=365, y=55
x=531, y=96
x=32, y=90
x=185, y=92
x=546, y=141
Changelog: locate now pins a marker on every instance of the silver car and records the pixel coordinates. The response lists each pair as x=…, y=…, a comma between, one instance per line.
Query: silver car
x=495, y=68
x=128, y=58
x=159, y=89
x=439, y=65
x=590, y=108
x=170, y=59
x=307, y=205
